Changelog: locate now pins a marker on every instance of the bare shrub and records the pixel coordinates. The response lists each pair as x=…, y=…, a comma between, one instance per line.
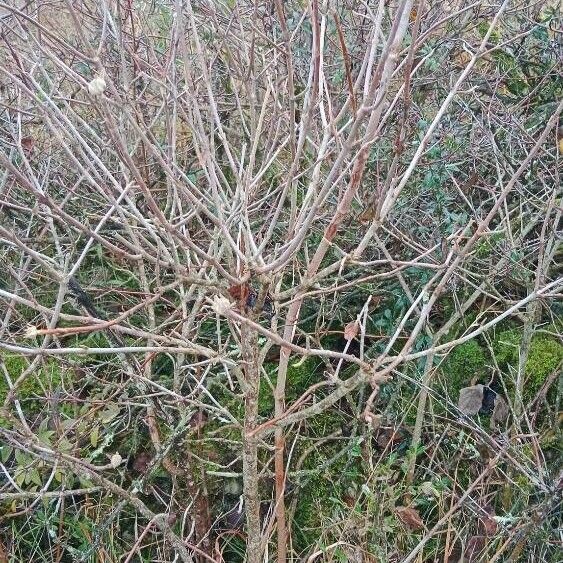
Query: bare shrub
x=251, y=254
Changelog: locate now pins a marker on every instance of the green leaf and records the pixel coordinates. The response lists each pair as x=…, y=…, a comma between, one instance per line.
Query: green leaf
x=94, y=435
x=21, y=459
x=110, y=413
x=19, y=477
x=44, y=436
x=85, y=483
x=34, y=477
x=6, y=452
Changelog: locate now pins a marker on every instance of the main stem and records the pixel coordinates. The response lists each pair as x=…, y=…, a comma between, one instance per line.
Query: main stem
x=249, y=341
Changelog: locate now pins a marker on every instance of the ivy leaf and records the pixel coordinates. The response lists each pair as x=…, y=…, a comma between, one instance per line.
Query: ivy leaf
x=34, y=477
x=6, y=453
x=110, y=413
x=470, y=399
x=19, y=477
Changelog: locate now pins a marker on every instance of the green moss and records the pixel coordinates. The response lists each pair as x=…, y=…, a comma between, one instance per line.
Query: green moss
x=309, y=512
x=14, y=365
x=544, y=356
x=467, y=361
x=315, y=504
x=232, y=401
x=325, y=423
x=266, y=396
x=301, y=374
x=322, y=493
x=32, y=391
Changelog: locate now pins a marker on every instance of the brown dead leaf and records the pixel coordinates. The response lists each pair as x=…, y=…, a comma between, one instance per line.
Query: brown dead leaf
x=410, y=517
x=487, y=523
x=390, y=437
x=141, y=462
x=374, y=303
x=474, y=548
x=500, y=412
x=198, y=420
x=3, y=554
x=462, y=58
x=367, y=215
x=27, y=144
x=239, y=292
x=351, y=330
x=470, y=399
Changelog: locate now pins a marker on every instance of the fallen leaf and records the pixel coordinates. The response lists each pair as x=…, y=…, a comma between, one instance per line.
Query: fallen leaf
x=375, y=301
x=142, y=462
x=374, y=420
x=470, y=399
x=221, y=305
x=198, y=420
x=251, y=299
x=500, y=412
x=410, y=517
x=96, y=86
x=94, y=435
x=489, y=398
x=111, y=411
x=455, y=555
x=239, y=292
x=474, y=548
x=367, y=215
x=27, y=144
x=351, y=330
x=390, y=437
x=428, y=489
x=489, y=525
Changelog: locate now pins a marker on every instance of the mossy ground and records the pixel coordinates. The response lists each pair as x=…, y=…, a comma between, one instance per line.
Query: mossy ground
x=31, y=392
x=544, y=357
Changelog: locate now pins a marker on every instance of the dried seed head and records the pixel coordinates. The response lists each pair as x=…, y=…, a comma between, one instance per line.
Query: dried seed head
x=221, y=305
x=31, y=332
x=115, y=460
x=97, y=86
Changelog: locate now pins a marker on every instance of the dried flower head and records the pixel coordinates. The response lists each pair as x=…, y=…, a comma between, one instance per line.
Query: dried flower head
x=96, y=86
x=115, y=460
x=31, y=332
x=221, y=305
